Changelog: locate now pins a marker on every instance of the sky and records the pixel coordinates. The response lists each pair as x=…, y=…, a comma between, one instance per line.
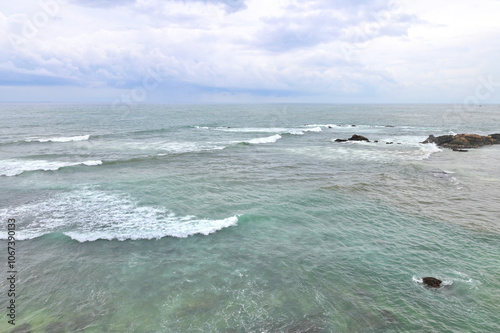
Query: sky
x=250, y=51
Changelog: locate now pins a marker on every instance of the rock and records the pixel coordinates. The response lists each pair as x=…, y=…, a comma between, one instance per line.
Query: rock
x=340, y=140
x=376, y=141
x=460, y=150
x=496, y=138
x=353, y=125
x=389, y=143
x=356, y=137
x=463, y=140
x=432, y=282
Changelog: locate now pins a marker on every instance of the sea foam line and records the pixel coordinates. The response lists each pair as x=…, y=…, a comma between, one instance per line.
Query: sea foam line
x=89, y=214
x=14, y=167
x=269, y=139
x=59, y=139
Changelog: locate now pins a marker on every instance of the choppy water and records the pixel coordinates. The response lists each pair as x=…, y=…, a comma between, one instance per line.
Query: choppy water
x=250, y=218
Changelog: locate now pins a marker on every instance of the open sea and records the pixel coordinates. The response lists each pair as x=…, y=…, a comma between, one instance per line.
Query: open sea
x=249, y=218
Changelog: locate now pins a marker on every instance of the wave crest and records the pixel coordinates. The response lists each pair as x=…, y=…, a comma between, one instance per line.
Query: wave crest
x=14, y=167
x=89, y=214
x=60, y=139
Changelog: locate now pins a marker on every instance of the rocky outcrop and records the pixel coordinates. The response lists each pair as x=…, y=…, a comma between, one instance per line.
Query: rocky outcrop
x=432, y=282
x=461, y=141
x=356, y=137
x=496, y=138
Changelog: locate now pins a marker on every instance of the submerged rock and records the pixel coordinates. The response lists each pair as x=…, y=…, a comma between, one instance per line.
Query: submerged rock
x=432, y=282
x=356, y=137
x=24, y=328
x=57, y=327
x=463, y=140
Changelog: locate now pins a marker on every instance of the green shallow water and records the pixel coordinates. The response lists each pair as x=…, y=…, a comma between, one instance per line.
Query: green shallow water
x=328, y=237
x=331, y=264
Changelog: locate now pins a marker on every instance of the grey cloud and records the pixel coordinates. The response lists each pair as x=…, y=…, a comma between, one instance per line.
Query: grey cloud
x=313, y=22
x=288, y=33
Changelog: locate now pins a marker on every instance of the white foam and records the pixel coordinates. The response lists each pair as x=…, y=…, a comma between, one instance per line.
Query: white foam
x=269, y=139
x=428, y=150
x=416, y=279
x=89, y=214
x=369, y=151
x=15, y=167
x=313, y=129
x=253, y=129
x=173, y=146
x=60, y=139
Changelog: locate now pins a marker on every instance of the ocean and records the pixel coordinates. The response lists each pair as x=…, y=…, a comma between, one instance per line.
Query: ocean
x=248, y=218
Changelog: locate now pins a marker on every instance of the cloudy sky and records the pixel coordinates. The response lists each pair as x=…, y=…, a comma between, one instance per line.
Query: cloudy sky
x=209, y=51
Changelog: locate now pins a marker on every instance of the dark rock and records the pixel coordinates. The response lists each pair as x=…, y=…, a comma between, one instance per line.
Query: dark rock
x=340, y=140
x=496, y=138
x=432, y=282
x=376, y=141
x=463, y=140
x=24, y=328
x=389, y=143
x=460, y=150
x=356, y=137
x=353, y=125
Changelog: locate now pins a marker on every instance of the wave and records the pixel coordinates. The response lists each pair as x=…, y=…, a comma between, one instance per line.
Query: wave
x=14, y=167
x=59, y=139
x=346, y=126
x=90, y=214
x=269, y=139
x=277, y=130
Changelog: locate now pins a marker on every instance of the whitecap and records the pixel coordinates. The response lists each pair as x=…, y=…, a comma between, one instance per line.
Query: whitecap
x=15, y=167
x=269, y=139
x=89, y=214
x=59, y=139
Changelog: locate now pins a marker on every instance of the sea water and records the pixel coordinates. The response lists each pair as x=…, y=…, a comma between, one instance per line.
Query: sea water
x=249, y=218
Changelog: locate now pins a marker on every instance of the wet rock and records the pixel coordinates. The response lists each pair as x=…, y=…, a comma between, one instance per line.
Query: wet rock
x=356, y=137
x=496, y=138
x=432, y=282
x=389, y=143
x=340, y=140
x=460, y=150
x=460, y=141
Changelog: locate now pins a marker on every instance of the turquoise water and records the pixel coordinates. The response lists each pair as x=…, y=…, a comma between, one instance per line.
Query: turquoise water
x=249, y=218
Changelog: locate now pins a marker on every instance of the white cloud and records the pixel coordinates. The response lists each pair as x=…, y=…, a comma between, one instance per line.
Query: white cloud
x=329, y=50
